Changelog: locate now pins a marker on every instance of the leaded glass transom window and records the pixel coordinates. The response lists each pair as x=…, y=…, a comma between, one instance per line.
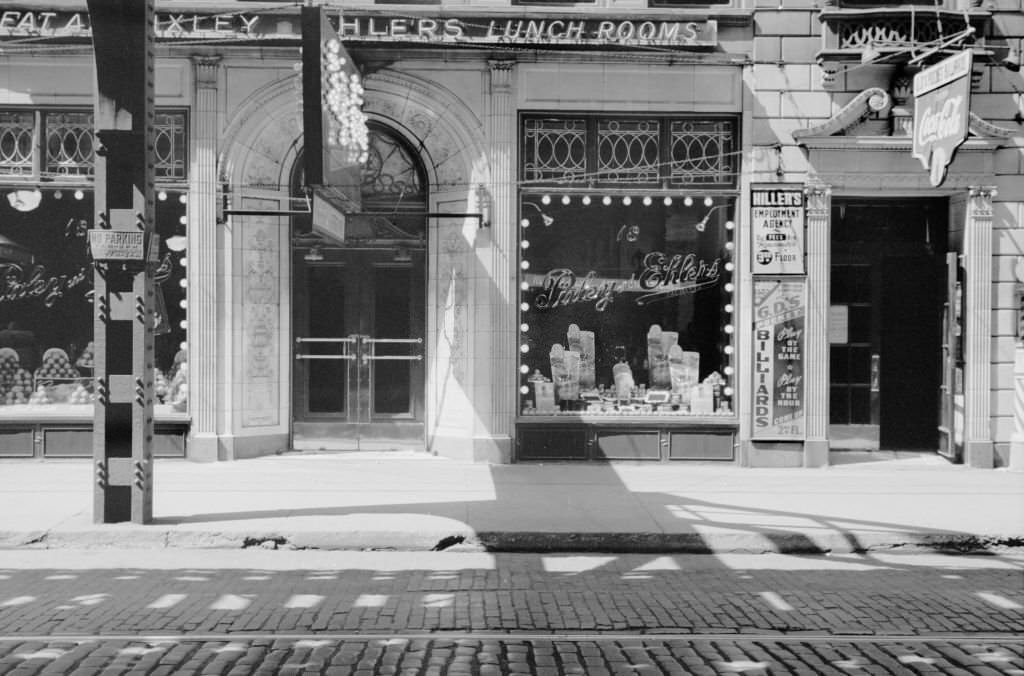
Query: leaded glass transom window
x=637, y=151
x=65, y=146
x=16, y=130
x=555, y=149
x=392, y=177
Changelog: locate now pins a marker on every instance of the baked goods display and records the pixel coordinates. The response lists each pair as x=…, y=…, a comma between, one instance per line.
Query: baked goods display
x=674, y=386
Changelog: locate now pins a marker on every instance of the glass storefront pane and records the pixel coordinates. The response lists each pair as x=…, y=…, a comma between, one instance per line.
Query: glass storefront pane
x=626, y=304
x=46, y=313
x=392, y=379
x=327, y=289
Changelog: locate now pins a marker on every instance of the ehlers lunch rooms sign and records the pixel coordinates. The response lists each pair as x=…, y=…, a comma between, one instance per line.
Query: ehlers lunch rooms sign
x=374, y=27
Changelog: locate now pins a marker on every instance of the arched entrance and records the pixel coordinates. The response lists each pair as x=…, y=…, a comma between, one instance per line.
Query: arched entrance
x=359, y=314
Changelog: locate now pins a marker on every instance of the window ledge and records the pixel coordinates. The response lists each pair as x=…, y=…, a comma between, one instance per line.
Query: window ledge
x=79, y=413
x=650, y=420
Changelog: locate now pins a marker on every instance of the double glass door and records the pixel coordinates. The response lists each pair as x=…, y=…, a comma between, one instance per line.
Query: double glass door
x=359, y=348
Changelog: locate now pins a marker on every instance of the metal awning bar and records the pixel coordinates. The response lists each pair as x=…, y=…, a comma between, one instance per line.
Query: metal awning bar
x=266, y=212
x=306, y=212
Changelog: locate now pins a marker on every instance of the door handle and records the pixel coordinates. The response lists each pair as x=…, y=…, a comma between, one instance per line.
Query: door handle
x=371, y=354
x=344, y=342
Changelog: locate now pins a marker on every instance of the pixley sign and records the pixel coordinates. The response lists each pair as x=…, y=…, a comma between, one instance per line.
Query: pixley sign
x=942, y=103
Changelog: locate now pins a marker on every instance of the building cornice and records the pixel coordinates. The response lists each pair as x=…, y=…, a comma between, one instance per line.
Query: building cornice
x=834, y=132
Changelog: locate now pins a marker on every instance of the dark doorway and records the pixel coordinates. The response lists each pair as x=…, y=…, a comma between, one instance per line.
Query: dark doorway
x=910, y=353
x=885, y=336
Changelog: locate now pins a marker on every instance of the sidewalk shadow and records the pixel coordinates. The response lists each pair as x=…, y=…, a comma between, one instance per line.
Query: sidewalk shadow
x=533, y=511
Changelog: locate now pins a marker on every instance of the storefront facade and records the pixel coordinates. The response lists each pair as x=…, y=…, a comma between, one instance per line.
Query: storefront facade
x=643, y=233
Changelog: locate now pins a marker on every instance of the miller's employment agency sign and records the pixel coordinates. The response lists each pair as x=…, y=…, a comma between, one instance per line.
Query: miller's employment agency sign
x=777, y=229
x=375, y=26
x=942, y=106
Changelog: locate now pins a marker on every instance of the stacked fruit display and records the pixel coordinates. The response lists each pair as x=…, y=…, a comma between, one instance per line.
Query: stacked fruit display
x=86, y=360
x=15, y=382
x=56, y=378
x=80, y=394
x=160, y=385
x=56, y=365
x=178, y=394
x=40, y=397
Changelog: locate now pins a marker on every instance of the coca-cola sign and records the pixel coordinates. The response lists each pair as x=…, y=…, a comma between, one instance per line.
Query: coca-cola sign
x=942, y=103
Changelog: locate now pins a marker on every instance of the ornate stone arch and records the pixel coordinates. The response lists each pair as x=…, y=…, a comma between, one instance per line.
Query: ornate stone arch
x=448, y=135
x=264, y=136
x=262, y=140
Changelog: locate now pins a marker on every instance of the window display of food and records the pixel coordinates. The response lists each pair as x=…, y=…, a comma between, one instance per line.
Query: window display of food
x=15, y=382
x=626, y=305
x=47, y=354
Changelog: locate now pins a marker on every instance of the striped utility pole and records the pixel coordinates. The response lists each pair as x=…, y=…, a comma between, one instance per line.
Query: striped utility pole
x=123, y=246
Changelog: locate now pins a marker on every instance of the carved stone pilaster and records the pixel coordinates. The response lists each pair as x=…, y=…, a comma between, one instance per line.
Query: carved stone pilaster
x=978, y=449
x=501, y=133
x=202, y=270
x=816, y=372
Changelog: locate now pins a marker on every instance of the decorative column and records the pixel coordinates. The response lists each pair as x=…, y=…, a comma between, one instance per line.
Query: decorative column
x=816, y=372
x=978, y=449
x=501, y=134
x=202, y=258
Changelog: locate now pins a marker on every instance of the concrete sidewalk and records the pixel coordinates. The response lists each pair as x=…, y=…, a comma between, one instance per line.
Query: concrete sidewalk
x=418, y=502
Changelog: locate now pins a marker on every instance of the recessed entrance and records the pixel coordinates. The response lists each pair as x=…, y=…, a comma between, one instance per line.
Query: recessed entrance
x=360, y=315
x=359, y=351
x=888, y=272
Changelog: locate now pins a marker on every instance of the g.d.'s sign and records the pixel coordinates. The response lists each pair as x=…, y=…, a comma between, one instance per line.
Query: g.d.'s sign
x=779, y=310
x=942, y=103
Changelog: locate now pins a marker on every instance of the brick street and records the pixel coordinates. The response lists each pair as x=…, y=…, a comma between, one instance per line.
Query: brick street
x=260, y=611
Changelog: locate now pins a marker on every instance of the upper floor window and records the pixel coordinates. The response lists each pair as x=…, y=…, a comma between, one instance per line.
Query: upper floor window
x=639, y=151
x=52, y=144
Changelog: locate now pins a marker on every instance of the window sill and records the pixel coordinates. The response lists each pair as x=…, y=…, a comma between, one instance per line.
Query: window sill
x=82, y=413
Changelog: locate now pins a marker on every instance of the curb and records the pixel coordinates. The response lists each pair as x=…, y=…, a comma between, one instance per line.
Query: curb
x=133, y=536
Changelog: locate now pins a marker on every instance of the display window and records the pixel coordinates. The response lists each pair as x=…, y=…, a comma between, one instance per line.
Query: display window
x=627, y=304
x=46, y=305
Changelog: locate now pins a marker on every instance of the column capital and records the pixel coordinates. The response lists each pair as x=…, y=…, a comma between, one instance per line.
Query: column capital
x=501, y=73
x=980, y=200
x=819, y=199
x=206, y=69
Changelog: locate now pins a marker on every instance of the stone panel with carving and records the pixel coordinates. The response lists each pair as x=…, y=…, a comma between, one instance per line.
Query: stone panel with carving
x=452, y=295
x=261, y=307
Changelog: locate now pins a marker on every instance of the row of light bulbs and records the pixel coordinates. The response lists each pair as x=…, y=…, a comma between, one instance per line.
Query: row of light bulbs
x=79, y=194
x=647, y=200
x=728, y=287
